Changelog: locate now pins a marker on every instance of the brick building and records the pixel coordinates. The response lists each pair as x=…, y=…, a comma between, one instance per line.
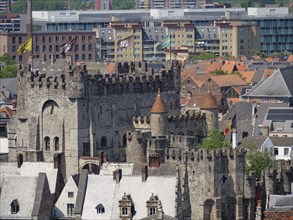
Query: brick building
x=48, y=45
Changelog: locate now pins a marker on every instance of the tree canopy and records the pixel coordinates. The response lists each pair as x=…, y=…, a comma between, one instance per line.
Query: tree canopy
x=257, y=161
x=10, y=69
x=214, y=140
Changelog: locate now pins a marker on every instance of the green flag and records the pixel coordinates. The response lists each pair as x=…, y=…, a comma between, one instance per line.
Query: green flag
x=164, y=43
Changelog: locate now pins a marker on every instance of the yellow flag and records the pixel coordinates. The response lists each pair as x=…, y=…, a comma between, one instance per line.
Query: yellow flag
x=26, y=46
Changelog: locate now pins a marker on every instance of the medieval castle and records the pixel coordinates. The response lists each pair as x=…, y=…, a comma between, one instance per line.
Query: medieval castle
x=78, y=118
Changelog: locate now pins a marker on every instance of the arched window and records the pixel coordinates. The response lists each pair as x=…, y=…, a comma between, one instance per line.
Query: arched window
x=14, y=207
x=56, y=143
x=103, y=142
x=124, y=140
x=47, y=143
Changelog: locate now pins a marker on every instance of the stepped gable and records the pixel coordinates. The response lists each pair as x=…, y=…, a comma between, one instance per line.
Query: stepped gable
x=159, y=105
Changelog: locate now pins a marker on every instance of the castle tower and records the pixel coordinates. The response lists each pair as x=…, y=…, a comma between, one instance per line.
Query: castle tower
x=158, y=116
x=210, y=108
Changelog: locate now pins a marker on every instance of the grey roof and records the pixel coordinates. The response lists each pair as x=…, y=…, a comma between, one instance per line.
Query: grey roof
x=22, y=188
x=8, y=84
x=104, y=190
x=284, y=201
x=154, y=33
x=252, y=142
x=257, y=76
x=155, y=217
x=262, y=109
x=277, y=85
x=282, y=141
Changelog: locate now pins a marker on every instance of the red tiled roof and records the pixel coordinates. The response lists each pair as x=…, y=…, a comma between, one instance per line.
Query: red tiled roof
x=247, y=75
x=228, y=66
x=290, y=58
x=197, y=79
x=203, y=101
x=214, y=66
x=241, y=67
x=111, y=68
x=7, y=110
x=267, y=73
x=228, y=80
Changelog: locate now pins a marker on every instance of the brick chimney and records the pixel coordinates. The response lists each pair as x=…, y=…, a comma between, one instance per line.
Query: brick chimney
x=117, y=175
x=144, y=173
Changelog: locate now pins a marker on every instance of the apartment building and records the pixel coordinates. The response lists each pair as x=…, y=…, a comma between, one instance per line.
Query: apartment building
x=128, y=41
x=236, y=39
x=48, y=45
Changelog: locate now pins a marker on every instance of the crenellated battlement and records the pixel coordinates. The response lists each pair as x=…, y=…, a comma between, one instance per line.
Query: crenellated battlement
x=76, y=81
x=197, y=155
x=192, y=115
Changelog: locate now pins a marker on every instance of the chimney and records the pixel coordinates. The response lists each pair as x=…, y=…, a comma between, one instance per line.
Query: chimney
x=8, y=6
x=117, y=175
x=14, y=104
x=265, y=131
x=68, y=4
x=29, y=19
x=144, y=173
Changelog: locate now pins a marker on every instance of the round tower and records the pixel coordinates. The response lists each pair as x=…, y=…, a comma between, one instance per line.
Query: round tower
x=158, y=116
x=210, y=108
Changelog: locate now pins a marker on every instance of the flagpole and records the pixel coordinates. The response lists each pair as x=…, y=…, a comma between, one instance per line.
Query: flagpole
x=30, y=29
x=170, y=48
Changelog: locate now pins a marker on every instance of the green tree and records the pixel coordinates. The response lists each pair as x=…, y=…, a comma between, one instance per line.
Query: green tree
x=219, y=72
x=202, y=56
x=20, y=6
x=8, y=72
x=10, y=69
x=123, y=4
x=246, y=3
x=257, y=161
x=214, y=140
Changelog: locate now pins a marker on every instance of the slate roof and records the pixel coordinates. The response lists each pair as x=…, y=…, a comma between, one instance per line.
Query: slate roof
x=270, y=88
x=8, y=84
x=252, y=142
x=104, y=190
x=22, y=188
x=282, y=141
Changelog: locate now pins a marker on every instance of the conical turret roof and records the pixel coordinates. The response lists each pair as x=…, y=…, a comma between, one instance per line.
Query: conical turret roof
x=159, y=105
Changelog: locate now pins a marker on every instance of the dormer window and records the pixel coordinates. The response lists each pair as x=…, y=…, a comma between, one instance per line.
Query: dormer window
x=100, y=209
x=152, y=205
x=14, y=207
x=126, y=207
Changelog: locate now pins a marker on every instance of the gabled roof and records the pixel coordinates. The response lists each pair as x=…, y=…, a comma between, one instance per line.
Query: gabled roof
x=247, y=75
x=214, y=66
x=197, y=79
x=104, y=190
x=241, y=66
x=278, y=85
x=7, y=110
x=290, y=58
x=282, y=141
x=203, y=101
x=228, y=66
x=267, y=73
x=228, y=80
